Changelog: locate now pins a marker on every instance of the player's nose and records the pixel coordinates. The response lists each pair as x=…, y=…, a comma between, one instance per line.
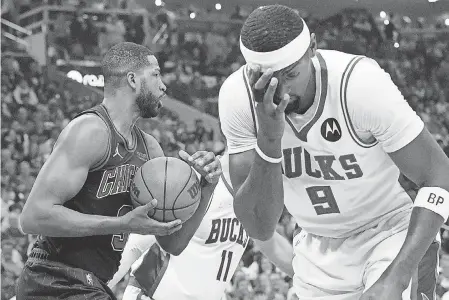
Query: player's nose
x=162, y=87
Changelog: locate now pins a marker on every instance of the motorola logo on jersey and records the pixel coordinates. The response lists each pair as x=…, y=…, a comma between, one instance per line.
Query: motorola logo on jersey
x=331, y=130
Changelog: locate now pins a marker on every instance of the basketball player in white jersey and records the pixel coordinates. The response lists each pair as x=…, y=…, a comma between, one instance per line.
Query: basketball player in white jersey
x=207, y=264
x=328, y=133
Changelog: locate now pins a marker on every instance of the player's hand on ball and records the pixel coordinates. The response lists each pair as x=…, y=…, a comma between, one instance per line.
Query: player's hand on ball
x=139, y=221
x=205, y=163
x=270, y=113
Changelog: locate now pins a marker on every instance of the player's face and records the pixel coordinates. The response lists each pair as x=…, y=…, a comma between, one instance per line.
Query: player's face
x=294, y=79
x=151, y=90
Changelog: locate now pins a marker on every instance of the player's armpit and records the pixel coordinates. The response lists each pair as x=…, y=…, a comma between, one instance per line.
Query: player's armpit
x=81, y=146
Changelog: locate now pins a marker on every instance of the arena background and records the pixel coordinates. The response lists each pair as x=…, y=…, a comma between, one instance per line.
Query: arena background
x=50, y=72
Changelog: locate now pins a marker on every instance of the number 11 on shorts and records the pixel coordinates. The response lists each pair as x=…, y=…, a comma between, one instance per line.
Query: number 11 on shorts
x=226, y=258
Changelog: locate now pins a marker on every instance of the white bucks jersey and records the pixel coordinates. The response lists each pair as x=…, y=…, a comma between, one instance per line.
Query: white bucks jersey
x=208, y=263
x=335, y=183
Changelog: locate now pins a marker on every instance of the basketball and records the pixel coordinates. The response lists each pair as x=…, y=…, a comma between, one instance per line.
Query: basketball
x=173, y=183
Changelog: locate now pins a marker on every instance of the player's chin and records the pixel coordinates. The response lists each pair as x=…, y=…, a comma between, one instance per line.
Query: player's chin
x=152, y=112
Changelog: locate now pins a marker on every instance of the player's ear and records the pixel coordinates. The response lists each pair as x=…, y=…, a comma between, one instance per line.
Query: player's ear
x=131, y=78
x=313, y=44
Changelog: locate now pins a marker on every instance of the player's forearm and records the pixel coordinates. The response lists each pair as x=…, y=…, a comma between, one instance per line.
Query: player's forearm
x=279, y=251
x=259, y=201
x=424, y=226
x=59, y=221
x=185, y=234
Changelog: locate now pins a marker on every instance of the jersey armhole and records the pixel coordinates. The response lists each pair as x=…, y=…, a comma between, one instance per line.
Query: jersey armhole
x=144, y=141
x=102, y=162
x=344, y=104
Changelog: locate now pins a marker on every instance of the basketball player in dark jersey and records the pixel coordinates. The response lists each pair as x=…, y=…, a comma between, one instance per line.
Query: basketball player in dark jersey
x=80, y=204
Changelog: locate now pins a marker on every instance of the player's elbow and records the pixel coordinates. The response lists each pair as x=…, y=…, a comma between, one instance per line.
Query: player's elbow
x=26, y=224
x=32, y=219
x=259, y=232
x=255, y=227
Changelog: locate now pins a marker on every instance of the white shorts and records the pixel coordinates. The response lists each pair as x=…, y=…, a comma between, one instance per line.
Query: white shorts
x=343, y=268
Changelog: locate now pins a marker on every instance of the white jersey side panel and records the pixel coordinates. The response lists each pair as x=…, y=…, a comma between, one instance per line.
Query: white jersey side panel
x=335, y=184
x=208, y=263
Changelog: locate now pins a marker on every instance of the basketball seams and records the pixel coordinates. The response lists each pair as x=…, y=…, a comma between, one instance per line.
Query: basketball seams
x=176, y=199
x=165, y=188
x=191, y=204
x=143, y=180
x=166, y=191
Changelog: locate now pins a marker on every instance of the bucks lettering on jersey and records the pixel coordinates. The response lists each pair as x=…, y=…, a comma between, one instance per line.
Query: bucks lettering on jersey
x=204, y=268
x=335, y=183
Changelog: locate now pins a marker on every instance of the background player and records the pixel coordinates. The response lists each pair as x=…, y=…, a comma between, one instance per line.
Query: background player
x=80, y=202
x=346, y=134
x=206, y=266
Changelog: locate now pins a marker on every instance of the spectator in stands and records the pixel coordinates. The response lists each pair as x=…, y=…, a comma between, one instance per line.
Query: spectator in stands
x=24, y=95
x=237, y=15
x=113, y=33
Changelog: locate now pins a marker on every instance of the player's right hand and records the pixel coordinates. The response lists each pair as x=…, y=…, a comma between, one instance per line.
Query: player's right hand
x=271, y=117
x=139, y=222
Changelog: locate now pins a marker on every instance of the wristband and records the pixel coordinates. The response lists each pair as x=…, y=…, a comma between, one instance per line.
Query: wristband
x=267, y=158
x=435, y=199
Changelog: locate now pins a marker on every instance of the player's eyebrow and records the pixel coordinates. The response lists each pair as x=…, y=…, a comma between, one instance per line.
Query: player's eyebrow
x=288, y=69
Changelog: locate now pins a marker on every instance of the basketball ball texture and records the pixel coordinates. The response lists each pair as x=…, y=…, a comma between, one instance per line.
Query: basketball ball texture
x=173, y=183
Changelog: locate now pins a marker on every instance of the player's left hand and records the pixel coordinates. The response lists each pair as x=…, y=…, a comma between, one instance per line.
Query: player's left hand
x=205, y=163
x=387, y=287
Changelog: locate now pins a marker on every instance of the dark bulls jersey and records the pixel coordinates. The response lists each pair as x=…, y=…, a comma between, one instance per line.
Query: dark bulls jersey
x=105, y=192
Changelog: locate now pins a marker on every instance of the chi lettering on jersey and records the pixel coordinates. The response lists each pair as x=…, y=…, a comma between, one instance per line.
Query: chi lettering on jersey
x=227, y=229
x=328, y=167
x=117, y=180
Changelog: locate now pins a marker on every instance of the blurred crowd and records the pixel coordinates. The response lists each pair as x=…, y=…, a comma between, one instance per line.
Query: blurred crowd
x=35, y=109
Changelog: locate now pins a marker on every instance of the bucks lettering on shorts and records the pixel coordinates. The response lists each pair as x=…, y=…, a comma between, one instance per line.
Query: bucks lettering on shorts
x=227, y=230
x=116, y=180
x=298, y=160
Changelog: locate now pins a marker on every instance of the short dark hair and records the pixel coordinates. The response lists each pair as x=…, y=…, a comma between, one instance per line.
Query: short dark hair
x=271, y=27
x=123, y=58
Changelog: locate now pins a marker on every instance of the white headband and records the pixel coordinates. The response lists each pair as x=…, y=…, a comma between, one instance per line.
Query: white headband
x=280, y=58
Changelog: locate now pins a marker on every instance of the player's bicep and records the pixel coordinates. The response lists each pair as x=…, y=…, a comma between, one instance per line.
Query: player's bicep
x=59, y=179
x=239, y=167
x=65, y=171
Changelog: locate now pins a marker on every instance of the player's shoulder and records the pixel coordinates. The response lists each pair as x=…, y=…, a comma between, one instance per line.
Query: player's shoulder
x=152, y=144
x=85, y=135
x=357, y=68
x=234, y=85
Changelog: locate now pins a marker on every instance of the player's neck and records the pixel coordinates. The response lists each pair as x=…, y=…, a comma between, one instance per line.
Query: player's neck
x=122, y=114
